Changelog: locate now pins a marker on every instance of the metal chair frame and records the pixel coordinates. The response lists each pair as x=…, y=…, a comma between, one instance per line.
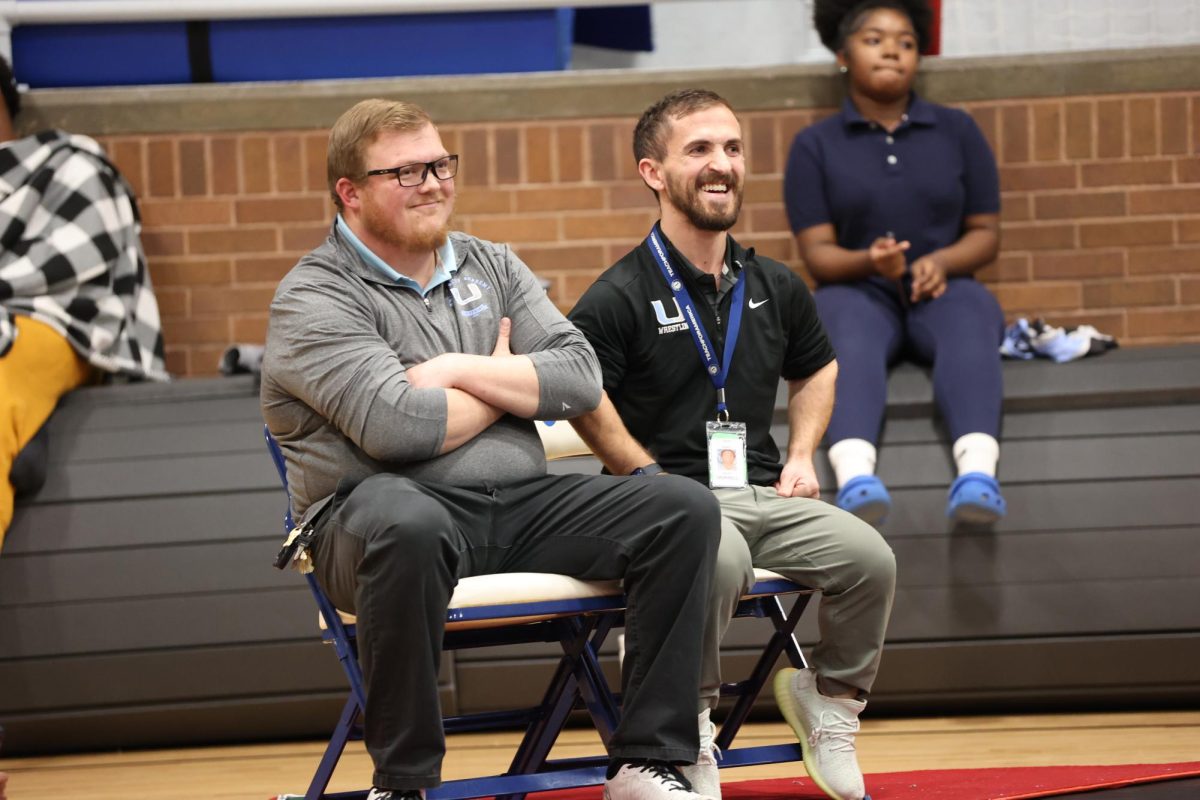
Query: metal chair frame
x=580, y=627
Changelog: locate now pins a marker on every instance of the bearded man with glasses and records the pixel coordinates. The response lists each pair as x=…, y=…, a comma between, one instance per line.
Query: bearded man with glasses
x=404, y=364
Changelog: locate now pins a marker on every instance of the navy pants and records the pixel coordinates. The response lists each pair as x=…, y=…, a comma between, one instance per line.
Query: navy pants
x=391, y=550
x=958, y=334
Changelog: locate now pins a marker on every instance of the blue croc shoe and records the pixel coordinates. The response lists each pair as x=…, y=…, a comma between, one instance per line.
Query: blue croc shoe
x=866, y=498
x=975, y=498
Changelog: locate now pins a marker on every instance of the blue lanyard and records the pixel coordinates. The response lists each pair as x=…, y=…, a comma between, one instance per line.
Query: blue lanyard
x=717, y=372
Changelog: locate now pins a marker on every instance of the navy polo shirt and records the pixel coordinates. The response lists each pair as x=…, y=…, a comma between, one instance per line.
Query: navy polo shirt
x=918, y=182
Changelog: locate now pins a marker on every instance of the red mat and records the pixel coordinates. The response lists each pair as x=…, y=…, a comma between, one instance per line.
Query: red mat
x=1012, y=783
x=1005, y=783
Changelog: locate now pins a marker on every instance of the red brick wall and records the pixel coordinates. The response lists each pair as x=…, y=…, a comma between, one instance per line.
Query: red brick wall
x=1101, y=209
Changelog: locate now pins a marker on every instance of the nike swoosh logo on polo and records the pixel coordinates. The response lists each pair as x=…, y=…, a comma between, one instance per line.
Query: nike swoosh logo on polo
x=753, y=304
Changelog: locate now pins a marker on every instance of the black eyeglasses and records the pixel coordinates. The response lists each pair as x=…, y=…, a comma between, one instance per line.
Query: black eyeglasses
x=411, y=175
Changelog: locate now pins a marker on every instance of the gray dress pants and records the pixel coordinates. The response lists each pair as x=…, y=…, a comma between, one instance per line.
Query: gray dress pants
x=391, y=549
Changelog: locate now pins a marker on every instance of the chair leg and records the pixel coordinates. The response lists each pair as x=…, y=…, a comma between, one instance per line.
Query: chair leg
x=556, y=705
x=601, y=704
x=344, y=641
x=782, y=641
x=578, y=676
x=333, y=751
x=788, y=629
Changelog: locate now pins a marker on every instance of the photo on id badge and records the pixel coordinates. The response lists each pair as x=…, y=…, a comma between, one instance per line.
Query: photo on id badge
x=726, y=455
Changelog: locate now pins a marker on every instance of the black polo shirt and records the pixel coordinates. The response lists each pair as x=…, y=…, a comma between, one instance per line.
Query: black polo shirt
x=655, y=377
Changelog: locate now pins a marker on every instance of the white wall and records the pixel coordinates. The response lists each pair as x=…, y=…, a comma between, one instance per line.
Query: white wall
x=718, y=33
x=730, y=33
x=987, y=27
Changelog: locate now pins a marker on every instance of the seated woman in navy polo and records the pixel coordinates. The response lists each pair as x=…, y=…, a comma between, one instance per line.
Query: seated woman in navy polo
x=895, y=204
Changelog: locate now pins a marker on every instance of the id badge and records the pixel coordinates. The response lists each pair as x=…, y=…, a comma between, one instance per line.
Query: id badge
x=726, y=454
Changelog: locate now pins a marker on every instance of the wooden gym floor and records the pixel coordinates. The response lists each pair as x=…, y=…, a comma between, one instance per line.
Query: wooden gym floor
x=257, y=772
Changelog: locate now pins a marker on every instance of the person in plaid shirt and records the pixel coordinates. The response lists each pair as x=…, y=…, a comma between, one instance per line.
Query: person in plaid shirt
x=75, y=295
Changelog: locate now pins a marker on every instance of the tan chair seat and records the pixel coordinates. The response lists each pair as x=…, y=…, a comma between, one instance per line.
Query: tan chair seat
x=518, y=588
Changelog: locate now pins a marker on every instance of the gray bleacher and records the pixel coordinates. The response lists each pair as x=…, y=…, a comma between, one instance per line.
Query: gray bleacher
x=138, y=605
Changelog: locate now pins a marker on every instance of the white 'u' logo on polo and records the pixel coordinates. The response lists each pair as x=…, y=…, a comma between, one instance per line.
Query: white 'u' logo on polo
x=462, y=301
x=661, y=313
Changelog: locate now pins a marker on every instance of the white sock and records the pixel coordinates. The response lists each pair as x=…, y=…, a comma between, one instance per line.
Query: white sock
x=852, y=458
x=976, y=452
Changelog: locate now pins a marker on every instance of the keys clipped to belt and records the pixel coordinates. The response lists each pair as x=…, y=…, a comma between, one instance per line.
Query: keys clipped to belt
x=295, y=550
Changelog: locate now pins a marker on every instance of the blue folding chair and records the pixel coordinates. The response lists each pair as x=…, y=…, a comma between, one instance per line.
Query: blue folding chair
x=579, y=615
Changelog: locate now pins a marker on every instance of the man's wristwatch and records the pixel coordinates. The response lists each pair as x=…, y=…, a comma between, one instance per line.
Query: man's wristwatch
x=650, y=469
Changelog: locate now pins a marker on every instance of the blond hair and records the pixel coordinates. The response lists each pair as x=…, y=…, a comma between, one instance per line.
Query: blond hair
x=358, y=128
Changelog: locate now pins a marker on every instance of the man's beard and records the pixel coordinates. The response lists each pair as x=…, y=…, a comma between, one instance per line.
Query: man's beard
x=422, y=238
x=687, y=198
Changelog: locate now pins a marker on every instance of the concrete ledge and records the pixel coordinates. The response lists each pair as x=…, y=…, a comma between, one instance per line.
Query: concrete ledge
x=616, y=93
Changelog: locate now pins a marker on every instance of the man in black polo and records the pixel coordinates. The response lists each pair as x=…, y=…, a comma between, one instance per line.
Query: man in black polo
x=693, y=333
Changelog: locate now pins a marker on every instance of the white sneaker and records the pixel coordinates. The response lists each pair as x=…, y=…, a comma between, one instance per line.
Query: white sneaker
x=826, y=727
x=653, y=780
x=705, y=775
x=395, y=794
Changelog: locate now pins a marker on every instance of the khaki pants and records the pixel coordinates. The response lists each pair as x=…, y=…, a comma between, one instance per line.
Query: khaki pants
x=815, y=544
x=39, y=369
